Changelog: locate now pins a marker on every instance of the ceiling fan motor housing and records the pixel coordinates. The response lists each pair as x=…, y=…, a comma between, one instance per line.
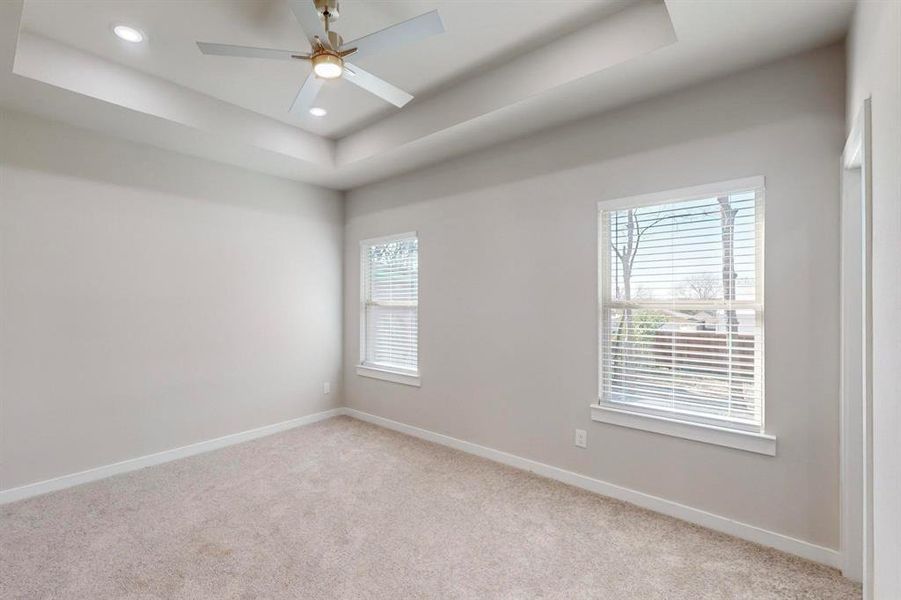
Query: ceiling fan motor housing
x=327, y=7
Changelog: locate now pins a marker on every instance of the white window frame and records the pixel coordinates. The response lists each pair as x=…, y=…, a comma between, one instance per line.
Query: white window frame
x=671, y=423
x=392, y=374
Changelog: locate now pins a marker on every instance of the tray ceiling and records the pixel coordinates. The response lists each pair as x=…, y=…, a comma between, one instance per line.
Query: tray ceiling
x=477, y=35
x=506, y=69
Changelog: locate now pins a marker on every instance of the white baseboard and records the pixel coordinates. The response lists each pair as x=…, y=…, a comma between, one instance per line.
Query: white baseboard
x=826, y=556
x=133, y=464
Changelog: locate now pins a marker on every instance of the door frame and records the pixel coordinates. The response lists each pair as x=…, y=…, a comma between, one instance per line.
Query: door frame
x=856, y=425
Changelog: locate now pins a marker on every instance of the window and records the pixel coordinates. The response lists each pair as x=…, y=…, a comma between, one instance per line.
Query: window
x=389, y=337
x=681, y=308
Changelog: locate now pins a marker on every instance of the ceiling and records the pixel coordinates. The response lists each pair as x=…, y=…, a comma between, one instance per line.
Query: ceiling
x=477, y=34
x=503, y=69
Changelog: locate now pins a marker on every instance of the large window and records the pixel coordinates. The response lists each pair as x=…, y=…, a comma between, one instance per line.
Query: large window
x=389, y=332
x=681, y=305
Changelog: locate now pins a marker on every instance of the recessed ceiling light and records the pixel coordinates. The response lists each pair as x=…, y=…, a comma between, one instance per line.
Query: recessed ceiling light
x=318, y=112
x=129, y=34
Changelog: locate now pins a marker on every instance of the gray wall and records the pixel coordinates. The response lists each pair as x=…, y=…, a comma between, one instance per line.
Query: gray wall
x=150, y=300
x=874, y=70
x=508, y=330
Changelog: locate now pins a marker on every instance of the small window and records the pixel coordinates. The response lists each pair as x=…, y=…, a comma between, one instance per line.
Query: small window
x=389, y=333
x=681, y=305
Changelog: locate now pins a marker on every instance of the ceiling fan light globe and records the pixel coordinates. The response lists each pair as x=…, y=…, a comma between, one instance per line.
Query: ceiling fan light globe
x=328, y=71
x=328, y=66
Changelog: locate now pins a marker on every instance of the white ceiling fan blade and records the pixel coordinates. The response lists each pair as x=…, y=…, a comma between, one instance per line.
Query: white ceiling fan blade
x=307, y=94
x=310, y=21
x=376, y=86
x=249, y=52
x=412, y=30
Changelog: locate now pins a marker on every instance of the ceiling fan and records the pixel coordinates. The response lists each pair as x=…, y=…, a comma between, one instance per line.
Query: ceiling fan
x=328, y=50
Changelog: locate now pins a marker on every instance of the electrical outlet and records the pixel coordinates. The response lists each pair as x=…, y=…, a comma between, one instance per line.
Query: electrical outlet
x=581, y=438
x=326, y=387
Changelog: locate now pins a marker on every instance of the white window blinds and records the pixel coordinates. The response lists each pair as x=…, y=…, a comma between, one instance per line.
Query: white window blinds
x=681, y=301
x=390, y=298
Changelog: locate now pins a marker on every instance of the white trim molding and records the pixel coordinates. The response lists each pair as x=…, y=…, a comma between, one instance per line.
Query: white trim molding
x=856, y=341
x=149, y=460
x=751, y=533
x=820, y=554
x=760, y=443
x=696, y=192
x=375, y=241
x=389, y=375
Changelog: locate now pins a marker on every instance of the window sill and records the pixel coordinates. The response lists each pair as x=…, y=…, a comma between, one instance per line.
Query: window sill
x=760, y=443
x=387, y=375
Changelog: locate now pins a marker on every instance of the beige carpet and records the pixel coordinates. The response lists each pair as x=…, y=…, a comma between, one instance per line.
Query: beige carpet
x=343, y=509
